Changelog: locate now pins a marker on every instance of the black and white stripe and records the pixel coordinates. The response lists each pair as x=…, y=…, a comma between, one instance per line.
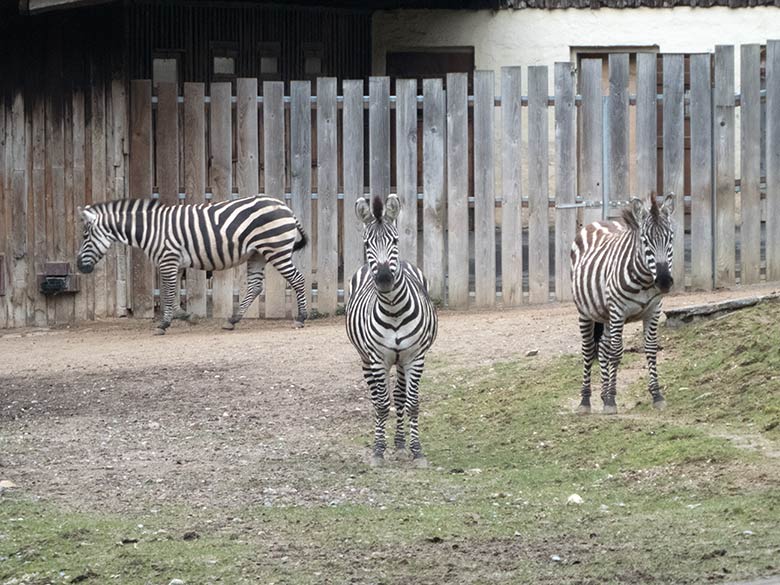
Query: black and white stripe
x=213, y=236
x=619, y=273
x=391, y=321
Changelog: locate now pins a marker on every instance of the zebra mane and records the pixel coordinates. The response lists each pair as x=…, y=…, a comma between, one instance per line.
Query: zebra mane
x=655, y=211
x=630, y=219
x=377, y=207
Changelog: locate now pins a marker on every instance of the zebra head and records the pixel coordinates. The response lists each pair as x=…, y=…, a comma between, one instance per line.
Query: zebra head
x=380, y=238
x=656, y=232
x=96, y=240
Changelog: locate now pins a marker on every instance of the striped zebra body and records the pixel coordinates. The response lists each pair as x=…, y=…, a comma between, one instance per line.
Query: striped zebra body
x=620, y=272
x=391, y=321
x=213, y=236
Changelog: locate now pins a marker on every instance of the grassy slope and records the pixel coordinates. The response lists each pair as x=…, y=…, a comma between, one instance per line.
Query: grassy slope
x=666, y=500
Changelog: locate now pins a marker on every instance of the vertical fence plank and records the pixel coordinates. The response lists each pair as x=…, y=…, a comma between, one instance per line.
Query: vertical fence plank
x=117, y=161
x=646, y=125
x=103, y=284
x=565, y=177
x=300, y=173
x=538, y=223
x=354, y=181
x=591, y=150
x=141, y=186
x=434, y=127
x=38, y=236
x=4, y=196
x=457, y=191
x=221, y=179
x=167, y=155
x=618, y=131
x=247, y=170
x=20, y=257
x=701, y=172
x=512, y=191
x=750, y=167
x=674, y=154
x=484, y=196
x=327, y=203
x=725, y=261
x=83, y=308
x=195, y=181
x=406, y=166
x=379, y=135
x=273, y=157
x=773, y=160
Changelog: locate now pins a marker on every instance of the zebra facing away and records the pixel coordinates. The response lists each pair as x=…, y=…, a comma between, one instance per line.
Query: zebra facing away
x=391, y=321
x=620, y=271
x=213, y=236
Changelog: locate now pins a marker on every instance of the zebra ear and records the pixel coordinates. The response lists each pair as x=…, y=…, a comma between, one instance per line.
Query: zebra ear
x=392, y=207
x=668, y=205
x=363, y=210
x=638, y=209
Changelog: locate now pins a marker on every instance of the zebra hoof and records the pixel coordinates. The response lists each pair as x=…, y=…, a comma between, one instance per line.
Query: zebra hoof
x=228, y=326
x=377, y=461
x=609, y=409
x=659, y=404
x=297, y=324
x=420, y=462
x=583, y=409
x=159, y=331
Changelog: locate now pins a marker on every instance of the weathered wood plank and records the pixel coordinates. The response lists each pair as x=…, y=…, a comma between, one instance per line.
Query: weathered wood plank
x=167, y=153
x=327, y=202
x=221, y=181
x=141, y=187
x=273, y=157
x=105, y=269
x=21, y=259
x=195, y=181
x=674, y=154
x=773, y=161
x=565, y=177
x=511, y=180
x=538, y=189
x=300, y=174
x=591, y=150
x=618, y=131
x=117, y=166
x=724, y=147
x=434, y=210
x=5, y=194
x=750, y=164
x=701, y=172
x=84, y=308
x=484, y=194
x=406, y=166
x=646, y=125
x=354, y=180
x=38, y=236
x=379, y=135
x=247, y=165
x=457, y=191
x=107, y=186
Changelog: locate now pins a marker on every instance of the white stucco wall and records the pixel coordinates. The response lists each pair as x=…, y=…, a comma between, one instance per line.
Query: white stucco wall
x=542, y=37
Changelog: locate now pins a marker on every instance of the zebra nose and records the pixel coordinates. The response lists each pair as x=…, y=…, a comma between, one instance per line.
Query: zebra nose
x=84, y=267
x=384, y=277
x=663, y=278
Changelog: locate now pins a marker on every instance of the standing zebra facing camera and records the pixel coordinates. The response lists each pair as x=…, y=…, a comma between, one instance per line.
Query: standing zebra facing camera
x=620, y=271
x=391, y=321
x=214, y=236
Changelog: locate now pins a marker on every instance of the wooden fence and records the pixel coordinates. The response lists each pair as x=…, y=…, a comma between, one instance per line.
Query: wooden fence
x=491, y=224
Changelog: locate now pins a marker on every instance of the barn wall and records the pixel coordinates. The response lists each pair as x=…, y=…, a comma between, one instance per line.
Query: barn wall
x=62, y=144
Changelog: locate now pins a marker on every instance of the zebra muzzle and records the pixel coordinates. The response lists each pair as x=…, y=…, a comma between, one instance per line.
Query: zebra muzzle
x=384, y=279
x=84, y=267
x=663, y=278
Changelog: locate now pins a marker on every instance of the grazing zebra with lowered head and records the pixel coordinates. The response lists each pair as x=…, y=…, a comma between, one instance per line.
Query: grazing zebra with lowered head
x=212, y=236
x=620, y=271
x=391, y=321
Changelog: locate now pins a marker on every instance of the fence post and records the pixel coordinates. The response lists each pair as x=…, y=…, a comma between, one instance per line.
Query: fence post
x=701, y=172
x=591, y=150
x=618, y=125
x=167, y=156
x=725, y=260
x=773, y=160
x=512, y=190
x=484, y=194
x=434, y=211
x=538, y=197
x=300, y=174
x=354, y=180
x=379, y=135
x=327, y=204
x=565, y=177
x=646, y=126
x=750, y=167
x=406, y=166
x=674, y=151
x=457, y=191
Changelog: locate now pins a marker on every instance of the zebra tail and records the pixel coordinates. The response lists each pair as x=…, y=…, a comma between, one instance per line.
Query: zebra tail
x=598, y=331
x=303, y=241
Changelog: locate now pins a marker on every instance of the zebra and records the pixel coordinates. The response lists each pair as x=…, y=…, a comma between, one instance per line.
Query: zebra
x=390, y=320
x=210, y=236
x=620, y=271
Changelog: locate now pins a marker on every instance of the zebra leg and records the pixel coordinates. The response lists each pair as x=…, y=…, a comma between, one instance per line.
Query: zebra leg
x=399, y=397
x=291, y=274
x=604, y=363
x=169, y=271
x=615, y=356
x=588, y=355
x=376, y=376
x=178, y=312
x=254, y=286
x=413, y=374
x=651, y=350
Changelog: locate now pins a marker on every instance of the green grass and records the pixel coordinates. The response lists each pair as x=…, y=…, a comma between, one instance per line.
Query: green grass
x=666, y=500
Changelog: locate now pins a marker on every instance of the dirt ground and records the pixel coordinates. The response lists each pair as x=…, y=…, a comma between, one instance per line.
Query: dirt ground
x=109, y=416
